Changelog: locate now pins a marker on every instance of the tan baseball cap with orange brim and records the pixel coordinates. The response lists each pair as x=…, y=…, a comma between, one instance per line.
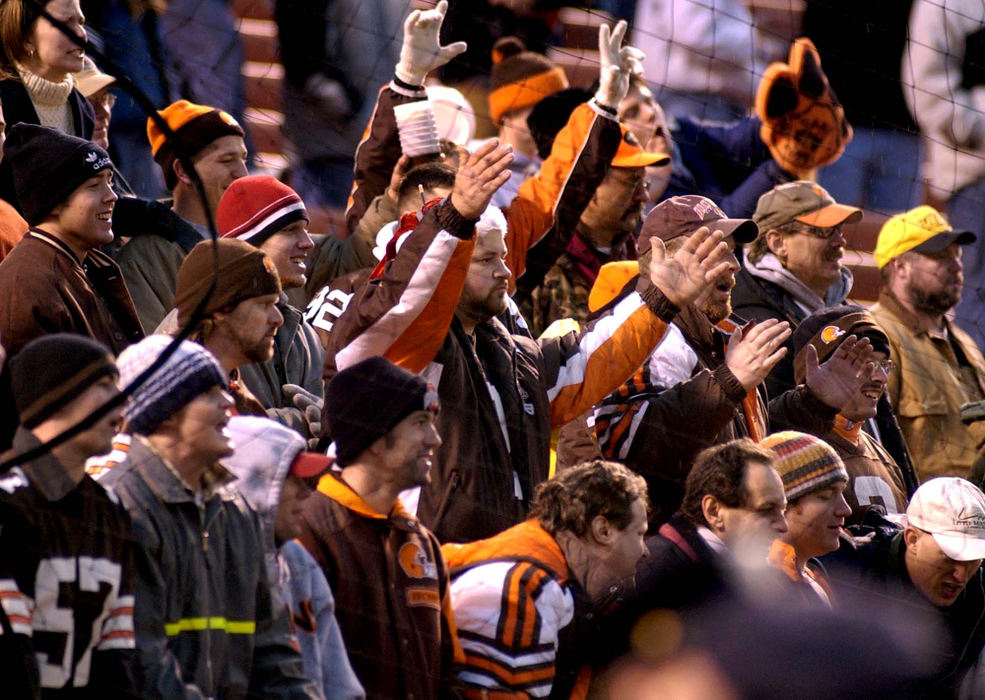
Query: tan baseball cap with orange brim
x=803, y=201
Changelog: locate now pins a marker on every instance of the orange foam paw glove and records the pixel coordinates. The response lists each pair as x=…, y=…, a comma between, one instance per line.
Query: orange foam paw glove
x=804, y=125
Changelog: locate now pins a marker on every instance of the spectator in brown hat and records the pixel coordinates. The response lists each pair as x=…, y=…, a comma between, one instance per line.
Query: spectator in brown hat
x=240, y=319
x=519, y=79
x=877, y=481
x=703, y=385
x=793, y=267
x=160, y=235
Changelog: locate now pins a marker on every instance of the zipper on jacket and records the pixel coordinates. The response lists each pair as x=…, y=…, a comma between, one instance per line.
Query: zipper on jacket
x=208, y=603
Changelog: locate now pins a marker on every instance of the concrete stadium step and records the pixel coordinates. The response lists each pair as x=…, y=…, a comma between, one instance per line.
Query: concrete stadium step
x=259, y=40
x=253, y=9
x=263, y=83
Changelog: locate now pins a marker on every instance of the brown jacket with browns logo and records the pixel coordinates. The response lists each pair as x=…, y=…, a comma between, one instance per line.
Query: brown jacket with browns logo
x=391, y=593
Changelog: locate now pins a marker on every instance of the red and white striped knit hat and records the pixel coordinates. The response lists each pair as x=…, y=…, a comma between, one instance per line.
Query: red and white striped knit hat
x=256, y=207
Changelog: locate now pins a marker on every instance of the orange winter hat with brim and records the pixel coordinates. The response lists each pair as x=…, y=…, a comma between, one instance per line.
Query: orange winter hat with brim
x=520, y=79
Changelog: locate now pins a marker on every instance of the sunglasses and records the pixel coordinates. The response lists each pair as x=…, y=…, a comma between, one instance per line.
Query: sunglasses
x=822, y=232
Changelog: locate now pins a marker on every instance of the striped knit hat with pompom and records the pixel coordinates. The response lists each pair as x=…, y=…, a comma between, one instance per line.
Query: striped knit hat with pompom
x=256, y=207
x=805, y=463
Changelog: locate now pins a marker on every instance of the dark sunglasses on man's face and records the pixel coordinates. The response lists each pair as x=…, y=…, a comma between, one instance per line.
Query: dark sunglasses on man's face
x=822, y=232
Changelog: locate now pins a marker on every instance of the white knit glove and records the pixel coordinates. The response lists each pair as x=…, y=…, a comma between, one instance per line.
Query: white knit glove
x=617, y=64
x=421, y=51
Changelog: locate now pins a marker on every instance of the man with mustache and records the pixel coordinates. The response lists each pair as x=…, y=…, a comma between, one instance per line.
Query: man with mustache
x=611, y=217
x=939, y=366
x=875, y=479
x=793, y=267
x=702, y=386
x=240, y=320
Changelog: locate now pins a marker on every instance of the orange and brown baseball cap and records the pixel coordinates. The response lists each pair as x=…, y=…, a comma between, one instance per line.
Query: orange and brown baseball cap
x=803, y=201
x=631, y=154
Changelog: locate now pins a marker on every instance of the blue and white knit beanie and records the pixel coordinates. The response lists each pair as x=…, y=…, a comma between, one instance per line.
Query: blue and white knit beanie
x=189, y=372
x=805, y=463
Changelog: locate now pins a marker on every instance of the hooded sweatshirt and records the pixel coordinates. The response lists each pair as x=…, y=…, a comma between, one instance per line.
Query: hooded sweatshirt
x=264, y=451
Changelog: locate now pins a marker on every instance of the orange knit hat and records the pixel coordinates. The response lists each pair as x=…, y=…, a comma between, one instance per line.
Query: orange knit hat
x=195, y=125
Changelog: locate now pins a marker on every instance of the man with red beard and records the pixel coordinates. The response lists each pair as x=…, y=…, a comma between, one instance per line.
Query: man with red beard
x=703, y=385
x=875, y=479
x=939, y=367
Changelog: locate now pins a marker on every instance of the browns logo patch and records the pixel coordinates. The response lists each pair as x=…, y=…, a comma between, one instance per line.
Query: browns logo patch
x=829, y=334
x=415, y=562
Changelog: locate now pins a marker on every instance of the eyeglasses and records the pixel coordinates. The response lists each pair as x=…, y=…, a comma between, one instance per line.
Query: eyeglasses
x=822, y=232
x=106, y=100
x=886, y=366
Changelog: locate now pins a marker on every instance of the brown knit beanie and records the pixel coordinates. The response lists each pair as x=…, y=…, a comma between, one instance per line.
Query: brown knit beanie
x=244, y=272
x=520, y=78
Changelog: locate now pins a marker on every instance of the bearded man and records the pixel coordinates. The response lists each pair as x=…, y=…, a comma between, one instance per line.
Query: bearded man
x=939, y=367
x=240, y=320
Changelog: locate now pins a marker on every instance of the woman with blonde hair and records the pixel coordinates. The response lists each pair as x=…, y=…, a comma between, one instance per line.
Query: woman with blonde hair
x=36, y=65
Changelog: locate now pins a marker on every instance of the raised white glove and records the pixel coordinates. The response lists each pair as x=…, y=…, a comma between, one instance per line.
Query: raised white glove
x=618, y=63
x=421, y=51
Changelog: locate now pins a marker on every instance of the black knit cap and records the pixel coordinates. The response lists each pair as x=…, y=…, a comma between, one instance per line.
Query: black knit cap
x=366, y=401
x=827, y=328
x=549, y=116
x=49, y=165
x=51, y=371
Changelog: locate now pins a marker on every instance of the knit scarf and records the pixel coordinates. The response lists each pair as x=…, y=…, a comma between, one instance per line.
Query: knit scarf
x=848, y=429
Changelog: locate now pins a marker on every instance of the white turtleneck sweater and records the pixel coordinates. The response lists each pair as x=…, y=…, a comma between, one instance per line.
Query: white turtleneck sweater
x=50, y=100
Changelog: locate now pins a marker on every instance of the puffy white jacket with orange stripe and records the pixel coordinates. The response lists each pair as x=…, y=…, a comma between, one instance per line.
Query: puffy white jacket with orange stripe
x=67, y=577
x=515, y=605
x=684, y=398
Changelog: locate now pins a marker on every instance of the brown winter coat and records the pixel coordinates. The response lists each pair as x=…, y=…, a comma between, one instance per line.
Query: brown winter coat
x=44, y=288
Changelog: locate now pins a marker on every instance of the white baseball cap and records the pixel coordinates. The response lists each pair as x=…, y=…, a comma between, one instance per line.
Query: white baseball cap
x=953, y=511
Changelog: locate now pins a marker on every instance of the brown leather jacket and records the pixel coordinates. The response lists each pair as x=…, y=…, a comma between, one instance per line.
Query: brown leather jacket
x=391, y=592
x=44, y=288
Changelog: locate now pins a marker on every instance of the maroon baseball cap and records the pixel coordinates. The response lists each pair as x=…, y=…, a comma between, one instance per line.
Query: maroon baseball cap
x=685, y=214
